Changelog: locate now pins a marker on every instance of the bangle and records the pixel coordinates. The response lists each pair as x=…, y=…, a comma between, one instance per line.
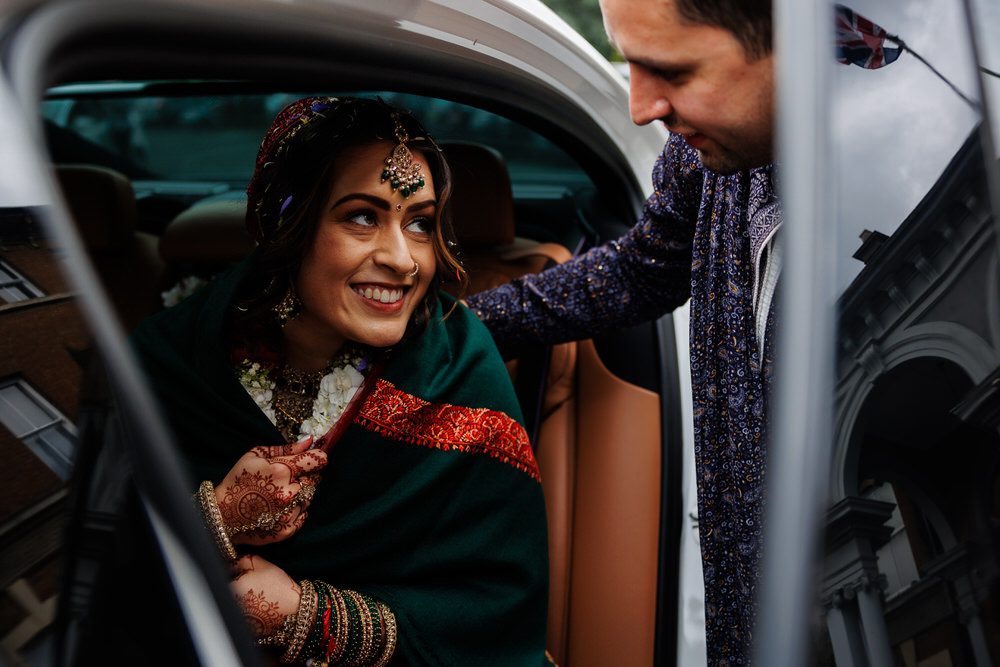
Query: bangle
x=339, y=639
x=304, y=615
x=366, y=626
x=389, y=620
x=205, y=497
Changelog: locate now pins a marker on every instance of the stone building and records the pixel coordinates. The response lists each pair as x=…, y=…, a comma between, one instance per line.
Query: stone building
x=43, y=343
x=911, y=571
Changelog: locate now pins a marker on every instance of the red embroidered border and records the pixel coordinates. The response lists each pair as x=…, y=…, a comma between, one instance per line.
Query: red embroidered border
x=401, y=416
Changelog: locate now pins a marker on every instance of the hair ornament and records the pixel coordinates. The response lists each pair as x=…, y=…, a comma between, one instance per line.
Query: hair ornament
x=400, y=170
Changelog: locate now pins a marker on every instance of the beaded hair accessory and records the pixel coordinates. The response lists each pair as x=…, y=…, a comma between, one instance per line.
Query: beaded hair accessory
x=400, y=170
x=261, y=221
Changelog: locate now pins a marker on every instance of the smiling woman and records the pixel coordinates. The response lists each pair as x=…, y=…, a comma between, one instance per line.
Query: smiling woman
x=356, y=279
x=425, y=540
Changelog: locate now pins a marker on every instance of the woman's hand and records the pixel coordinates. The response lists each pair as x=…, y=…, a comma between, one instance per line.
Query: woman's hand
x=265, y=593
x=264, y=497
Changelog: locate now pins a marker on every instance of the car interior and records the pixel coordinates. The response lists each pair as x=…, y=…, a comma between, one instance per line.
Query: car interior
x=592, y=407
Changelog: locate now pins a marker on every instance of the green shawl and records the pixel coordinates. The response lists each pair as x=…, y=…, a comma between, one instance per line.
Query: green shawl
x=430, y=501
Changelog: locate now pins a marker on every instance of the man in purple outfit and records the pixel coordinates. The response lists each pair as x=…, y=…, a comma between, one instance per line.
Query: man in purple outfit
x=709, y=233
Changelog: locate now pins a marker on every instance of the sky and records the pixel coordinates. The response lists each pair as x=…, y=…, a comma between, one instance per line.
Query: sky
x=896, y=128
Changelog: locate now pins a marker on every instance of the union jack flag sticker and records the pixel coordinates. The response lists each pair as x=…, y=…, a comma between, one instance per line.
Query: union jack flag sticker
x=860, y=42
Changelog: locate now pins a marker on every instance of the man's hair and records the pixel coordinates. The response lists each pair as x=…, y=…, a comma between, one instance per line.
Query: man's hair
x=748, y=20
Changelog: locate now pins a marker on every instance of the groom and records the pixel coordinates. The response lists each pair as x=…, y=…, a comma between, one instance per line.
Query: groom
x=708, y=233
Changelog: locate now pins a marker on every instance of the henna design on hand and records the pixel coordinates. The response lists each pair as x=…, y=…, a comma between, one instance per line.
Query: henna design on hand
x=269, y=453
x=253, y=495
x=262, y=614
x=302, y=464
x=262, y=499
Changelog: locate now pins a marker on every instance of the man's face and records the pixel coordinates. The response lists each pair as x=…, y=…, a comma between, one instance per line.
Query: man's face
x=698, y=80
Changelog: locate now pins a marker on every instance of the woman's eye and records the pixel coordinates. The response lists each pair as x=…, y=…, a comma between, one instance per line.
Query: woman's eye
x=420, y=225
x=363, y=218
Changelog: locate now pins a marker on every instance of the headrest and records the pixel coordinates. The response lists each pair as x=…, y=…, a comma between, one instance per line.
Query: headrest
x=101, y=201
x=482, y=202
x=210, y=232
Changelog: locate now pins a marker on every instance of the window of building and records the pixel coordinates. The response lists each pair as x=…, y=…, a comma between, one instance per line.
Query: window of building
x=14, y=286
x=38, y=424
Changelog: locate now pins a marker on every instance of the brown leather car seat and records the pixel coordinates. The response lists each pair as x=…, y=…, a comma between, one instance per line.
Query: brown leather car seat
x=205, y=239
x=598, y=447
x=483, y=218
x=102, y=202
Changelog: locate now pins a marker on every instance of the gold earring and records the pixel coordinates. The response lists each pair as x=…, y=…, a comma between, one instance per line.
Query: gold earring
x=289, y=307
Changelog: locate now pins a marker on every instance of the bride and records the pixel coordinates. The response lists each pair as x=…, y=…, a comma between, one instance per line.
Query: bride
x=365, y=468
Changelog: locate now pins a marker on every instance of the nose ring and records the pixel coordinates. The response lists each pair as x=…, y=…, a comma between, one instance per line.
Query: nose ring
x=415, y=271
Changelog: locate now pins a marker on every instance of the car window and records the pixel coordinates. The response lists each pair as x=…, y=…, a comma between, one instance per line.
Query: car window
x=914, y=474
x=215, y=137
x=45, y=348
x=178, y=149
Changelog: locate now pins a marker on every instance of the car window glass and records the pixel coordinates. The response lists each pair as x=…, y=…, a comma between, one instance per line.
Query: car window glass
x=215, y=137
x=914, y=473
x=178, y=149
x=43, y=359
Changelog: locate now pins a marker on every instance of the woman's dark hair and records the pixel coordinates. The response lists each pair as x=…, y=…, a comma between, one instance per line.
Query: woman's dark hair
x=290, y=187
x=748, y=20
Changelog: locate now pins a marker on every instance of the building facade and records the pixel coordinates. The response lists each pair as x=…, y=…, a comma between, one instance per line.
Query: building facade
x=911, y=575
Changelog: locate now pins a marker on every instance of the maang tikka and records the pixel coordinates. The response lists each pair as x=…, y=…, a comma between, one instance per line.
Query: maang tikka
x=400, y=170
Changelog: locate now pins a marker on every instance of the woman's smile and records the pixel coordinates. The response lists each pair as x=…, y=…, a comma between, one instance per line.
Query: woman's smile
x=382, y=298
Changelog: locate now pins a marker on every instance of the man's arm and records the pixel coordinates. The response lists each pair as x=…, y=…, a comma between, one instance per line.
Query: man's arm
x=635, y=278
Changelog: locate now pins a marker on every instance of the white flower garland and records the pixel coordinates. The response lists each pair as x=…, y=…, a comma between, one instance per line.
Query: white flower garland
x=336, y=390
x=184, y=288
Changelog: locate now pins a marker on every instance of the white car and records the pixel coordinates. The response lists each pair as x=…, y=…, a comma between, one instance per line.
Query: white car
x=884, y=421
x=174, y=97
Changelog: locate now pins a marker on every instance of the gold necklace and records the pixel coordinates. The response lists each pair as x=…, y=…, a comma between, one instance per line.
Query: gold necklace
x=294, y=394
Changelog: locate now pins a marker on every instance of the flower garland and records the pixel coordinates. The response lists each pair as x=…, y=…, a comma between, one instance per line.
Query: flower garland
x=184, y=288
x=336, y=389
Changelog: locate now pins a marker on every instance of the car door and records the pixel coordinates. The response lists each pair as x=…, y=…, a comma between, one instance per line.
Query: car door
x=95, y=475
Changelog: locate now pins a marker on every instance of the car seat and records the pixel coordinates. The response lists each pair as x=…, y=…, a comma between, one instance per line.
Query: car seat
x=102, y=202
x=205, y=239
x=597, y=441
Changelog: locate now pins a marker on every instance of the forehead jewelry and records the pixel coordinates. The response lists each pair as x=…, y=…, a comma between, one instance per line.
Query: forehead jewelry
x=400, y=170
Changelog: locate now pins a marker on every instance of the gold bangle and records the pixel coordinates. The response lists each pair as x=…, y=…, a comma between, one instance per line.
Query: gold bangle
x=389, y=620
x=304, y=616
x=343, y=623
x=367, y=627
x=213, y=520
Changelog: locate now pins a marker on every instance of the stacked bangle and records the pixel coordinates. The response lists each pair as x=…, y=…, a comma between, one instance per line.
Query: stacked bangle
x=205, y=498
x=336, y=627
x=304, y=616
x=347, y=628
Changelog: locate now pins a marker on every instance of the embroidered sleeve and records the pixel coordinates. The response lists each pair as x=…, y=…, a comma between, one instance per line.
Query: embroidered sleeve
x=635, y=278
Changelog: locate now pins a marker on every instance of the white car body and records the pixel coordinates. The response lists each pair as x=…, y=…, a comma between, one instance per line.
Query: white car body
x=514, y=53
